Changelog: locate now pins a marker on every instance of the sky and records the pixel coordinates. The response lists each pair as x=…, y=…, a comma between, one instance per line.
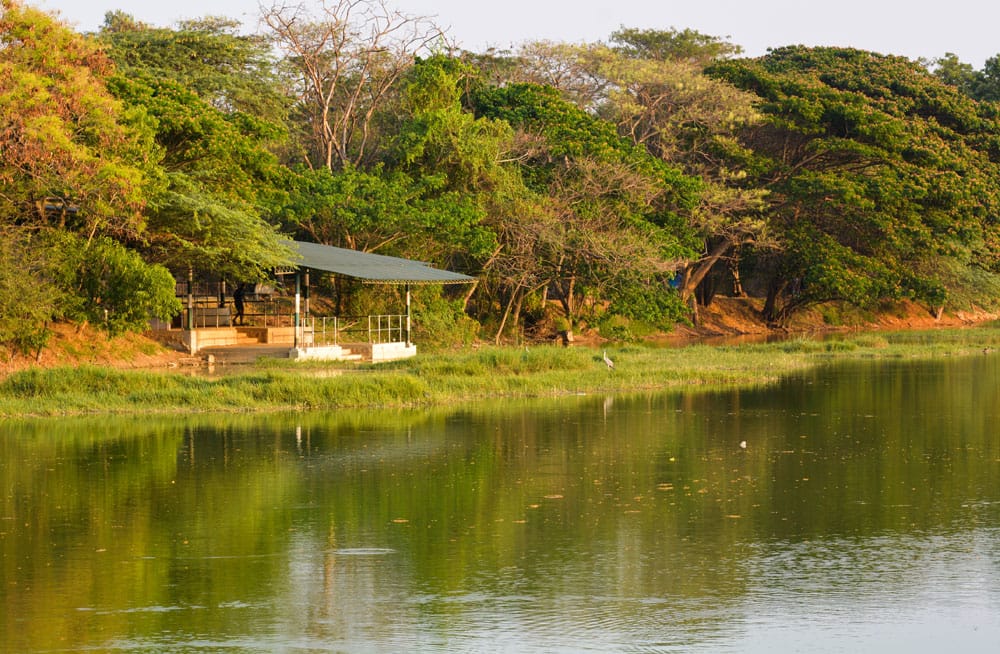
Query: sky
x=911, y=28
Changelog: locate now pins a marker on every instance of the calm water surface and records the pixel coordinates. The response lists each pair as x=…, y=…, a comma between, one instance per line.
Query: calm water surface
x=862, y=516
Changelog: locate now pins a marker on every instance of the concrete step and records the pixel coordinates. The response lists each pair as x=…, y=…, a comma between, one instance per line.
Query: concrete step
x=245, y=354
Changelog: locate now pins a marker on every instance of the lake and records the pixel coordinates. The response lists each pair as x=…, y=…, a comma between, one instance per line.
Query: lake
x=862, y=515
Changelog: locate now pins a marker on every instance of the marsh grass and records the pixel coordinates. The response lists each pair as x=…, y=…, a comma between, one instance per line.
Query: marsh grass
x=463, y=376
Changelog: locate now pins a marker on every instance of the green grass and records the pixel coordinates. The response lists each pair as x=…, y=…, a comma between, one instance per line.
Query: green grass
x=452, y=378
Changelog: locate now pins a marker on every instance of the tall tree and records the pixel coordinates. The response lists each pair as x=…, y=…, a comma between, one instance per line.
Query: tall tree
x=69, y=158
x=209, y=97
x=876, y=169
x=673, y=45
x=231, y=71
x=951, y=70
x=983, y=85
x=664, y=101
x=346, y=60
x=77, y=170
x=609, y=212
x=987, y=84
x=426, y=195
x=651, y=84
x=218, y=182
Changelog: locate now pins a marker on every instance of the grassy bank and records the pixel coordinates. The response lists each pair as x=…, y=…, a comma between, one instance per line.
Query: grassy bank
x=450, y=378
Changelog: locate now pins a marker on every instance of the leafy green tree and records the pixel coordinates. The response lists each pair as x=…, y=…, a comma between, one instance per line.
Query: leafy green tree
x=231, y=71
x=663, y=100
x=607, y=212
x=875, y=169
x=673, y=45
x=78, y=169
x=951, y=70
x=70, y=158
x=651, y=85
x=214, y=102
x=217, y=181
x=987, y=83
x=31, y=295
x=53, y=275
x=426, y=197
x=121, y=292
x=381, y=211
x=983, y=85
x=465, y=156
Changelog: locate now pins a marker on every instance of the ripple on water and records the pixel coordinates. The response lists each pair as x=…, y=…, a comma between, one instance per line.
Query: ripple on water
x=363, y=551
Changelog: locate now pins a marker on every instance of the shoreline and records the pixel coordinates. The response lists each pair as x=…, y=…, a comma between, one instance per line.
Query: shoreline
x=456, y=378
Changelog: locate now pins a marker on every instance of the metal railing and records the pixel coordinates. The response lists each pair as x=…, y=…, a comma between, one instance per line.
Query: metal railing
x=334, y=330
x=203, y=317
x=261, y=313
x=314, y=330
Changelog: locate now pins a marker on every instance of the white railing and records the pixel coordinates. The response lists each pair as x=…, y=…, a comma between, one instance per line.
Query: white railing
x=322, y=330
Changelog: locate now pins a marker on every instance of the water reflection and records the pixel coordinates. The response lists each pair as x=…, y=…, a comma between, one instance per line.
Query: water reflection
x=863, y=513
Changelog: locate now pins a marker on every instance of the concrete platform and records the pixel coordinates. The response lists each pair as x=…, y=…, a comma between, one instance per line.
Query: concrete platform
x=244, y=354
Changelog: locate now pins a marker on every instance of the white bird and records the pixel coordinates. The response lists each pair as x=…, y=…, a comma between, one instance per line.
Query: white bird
x=743, y=445
x=608, y=362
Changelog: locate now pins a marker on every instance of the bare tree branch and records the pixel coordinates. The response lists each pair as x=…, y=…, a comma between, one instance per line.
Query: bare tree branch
x=348, y=57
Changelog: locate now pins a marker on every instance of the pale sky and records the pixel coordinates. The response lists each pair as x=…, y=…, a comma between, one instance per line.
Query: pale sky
x=912, y=28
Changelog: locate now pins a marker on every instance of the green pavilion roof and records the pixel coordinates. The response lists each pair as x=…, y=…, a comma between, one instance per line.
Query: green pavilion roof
x=372, y=268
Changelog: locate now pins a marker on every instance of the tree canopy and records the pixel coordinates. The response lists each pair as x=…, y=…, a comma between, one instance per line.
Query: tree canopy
x=874, y=169
x=621, y=180
x=70, y=158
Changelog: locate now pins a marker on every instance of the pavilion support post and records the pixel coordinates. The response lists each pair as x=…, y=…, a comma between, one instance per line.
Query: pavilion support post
x=305, y=294
x=407, y=315
x=190, y=290
x=298, y=306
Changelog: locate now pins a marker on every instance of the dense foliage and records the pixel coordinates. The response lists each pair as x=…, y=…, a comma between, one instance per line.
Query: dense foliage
x=600, y=184
x=876, y=171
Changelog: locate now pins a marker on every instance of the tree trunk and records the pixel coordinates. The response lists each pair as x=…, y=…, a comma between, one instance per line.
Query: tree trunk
x=567, y=300
x=516, y=315
x=771, y=313
x=734, y=269
x=506, y=315
x=468, y=294
x=695, y=274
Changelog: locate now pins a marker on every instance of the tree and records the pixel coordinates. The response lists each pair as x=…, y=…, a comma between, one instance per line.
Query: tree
x=77, y=172
x=346, y=61
x=664, y=101
x=119, y=290
x=606, y=212
x=951, y=70
x=214, y=102
x=983, y=85
x=232, y=72
x=875, y=168
x=216, y=179
x=425, y=197
x=30, y=294
x=651, y=85
x=383, y=211
x=673, y=45
x=987, y=84
x=70, y=159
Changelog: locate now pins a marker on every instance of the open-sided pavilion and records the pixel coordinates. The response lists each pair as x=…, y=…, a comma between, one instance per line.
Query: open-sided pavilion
x=208, y=322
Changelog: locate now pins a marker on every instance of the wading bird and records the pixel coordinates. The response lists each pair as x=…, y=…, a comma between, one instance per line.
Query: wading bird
x=608, y=362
